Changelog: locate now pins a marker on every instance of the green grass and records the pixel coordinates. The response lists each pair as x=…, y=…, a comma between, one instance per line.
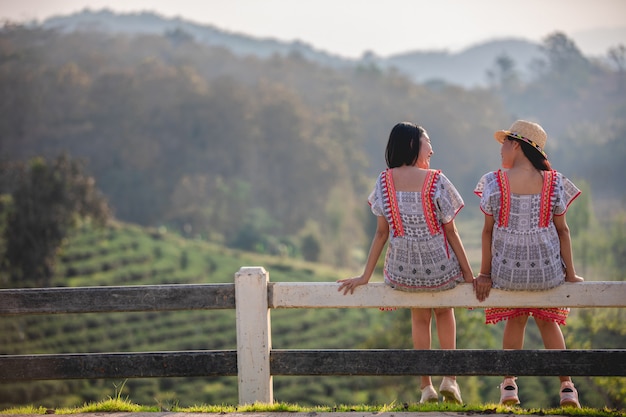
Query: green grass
x=123, y=405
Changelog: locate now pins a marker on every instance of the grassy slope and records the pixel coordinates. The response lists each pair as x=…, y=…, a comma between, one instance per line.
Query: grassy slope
x=129, y=255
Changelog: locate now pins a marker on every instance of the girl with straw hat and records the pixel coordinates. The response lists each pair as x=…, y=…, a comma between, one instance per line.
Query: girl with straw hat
x=526, y=243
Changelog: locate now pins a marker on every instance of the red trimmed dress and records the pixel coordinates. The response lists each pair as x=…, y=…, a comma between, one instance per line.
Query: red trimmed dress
x=525, y=246
x=418, y=257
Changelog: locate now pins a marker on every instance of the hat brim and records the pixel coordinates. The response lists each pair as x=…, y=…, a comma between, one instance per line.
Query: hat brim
x=500, y=135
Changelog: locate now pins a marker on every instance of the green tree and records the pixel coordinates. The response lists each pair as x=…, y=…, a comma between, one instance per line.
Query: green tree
x=599, y=328
x=49, y=199
x=617, y=55
x=568, y=69
x=311, y=248
x=504, y=76
x=562, y=52
x=617, y=242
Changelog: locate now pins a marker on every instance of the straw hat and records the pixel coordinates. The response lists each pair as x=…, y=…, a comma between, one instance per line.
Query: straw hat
x=529, y=132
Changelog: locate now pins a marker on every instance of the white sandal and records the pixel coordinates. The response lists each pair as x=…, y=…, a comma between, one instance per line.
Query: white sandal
x=450, y=390
x=508, y=392
x=429, y=395
x=569, y=395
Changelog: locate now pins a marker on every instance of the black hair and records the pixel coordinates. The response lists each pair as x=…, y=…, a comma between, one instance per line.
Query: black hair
x=539, y=161
x=404, y=144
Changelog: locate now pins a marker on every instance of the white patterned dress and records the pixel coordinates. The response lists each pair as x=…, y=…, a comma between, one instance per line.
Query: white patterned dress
x=418, y=256
x=525, y=246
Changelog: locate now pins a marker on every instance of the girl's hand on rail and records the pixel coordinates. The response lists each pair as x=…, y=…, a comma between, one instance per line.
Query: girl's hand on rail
x=574, y=278
x=349, y=284
x=482, y=286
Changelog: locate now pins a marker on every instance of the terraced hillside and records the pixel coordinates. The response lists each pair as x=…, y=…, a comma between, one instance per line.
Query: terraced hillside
x=130, y=255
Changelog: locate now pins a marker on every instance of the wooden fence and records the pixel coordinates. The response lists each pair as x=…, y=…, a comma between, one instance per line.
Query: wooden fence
x=255, y=362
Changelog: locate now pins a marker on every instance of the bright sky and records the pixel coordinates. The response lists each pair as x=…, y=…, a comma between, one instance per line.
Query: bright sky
x=351, y=27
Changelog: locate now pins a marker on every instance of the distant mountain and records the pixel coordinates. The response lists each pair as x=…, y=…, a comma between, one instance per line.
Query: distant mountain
x=151, y=23
x=467, y=68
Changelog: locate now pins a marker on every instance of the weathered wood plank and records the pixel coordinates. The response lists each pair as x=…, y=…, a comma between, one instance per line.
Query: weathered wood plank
x=449, y=362
x=325, y=294
x=316, y=362
x=118, y=365
x=59, y=300
x=292, y=295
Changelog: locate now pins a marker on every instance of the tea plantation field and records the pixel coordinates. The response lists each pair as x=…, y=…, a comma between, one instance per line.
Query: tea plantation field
x=125, y=254
x=130, y=255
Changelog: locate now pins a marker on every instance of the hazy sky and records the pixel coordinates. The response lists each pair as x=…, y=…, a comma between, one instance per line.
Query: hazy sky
x=350, y=27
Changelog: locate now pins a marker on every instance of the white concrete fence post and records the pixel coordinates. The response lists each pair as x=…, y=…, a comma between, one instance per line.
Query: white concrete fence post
x=254, y=338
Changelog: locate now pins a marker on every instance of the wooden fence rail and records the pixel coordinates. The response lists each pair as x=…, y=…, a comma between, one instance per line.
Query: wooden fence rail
x=255, y=362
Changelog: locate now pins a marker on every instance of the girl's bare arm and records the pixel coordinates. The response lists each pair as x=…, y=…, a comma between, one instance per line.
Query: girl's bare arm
x=376, y=248
x=454, y=239
x=566, y=249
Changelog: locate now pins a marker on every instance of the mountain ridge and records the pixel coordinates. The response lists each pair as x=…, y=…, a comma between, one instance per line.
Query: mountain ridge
x=467, y=67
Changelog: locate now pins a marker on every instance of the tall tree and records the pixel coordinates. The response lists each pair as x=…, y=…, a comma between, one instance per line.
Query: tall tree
x=568, y=68
x=617, y=55
x=504, y=76
x=47, y=202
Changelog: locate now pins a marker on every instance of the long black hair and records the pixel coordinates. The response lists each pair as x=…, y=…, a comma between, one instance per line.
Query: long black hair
x=404, y=144
x=539, y=161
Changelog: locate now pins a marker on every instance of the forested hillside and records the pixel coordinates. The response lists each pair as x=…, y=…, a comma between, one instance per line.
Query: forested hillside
x=268, y=154
x=466, y=68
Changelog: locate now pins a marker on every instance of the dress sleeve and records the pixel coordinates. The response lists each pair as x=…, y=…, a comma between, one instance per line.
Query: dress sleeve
x=375, y=199
x=485, y=190
x=565, y=193
x=448, y=201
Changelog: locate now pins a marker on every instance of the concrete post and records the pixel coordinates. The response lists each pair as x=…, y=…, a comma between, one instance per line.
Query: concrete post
x=254, y=338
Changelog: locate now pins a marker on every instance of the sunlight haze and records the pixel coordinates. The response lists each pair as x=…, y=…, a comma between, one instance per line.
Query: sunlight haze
x=351, y=27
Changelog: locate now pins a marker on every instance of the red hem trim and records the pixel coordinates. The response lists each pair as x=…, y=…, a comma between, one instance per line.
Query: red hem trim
x=509, y=313
x=455, y=214
x=568, y=204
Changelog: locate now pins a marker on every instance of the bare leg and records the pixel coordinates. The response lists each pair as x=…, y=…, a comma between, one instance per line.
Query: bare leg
x=514, y=331
x=420, y=329
x=446, y=329
x=552, y=338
